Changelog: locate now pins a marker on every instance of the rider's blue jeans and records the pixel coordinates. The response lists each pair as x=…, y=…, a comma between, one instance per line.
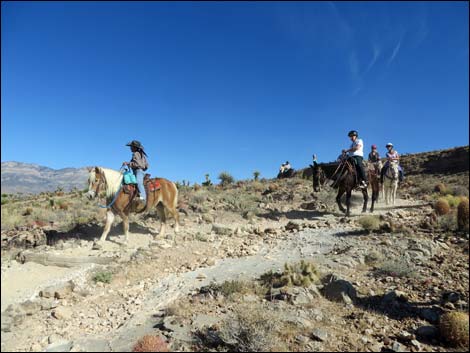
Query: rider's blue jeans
x=139, y=174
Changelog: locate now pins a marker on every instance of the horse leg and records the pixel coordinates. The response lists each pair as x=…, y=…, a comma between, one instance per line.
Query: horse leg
x=348, y=202
x=338, y=200
x=395, y=187
x=107, y=227
x=176, y=216
x=366, y=199
x=125, y=226
x=162, y=216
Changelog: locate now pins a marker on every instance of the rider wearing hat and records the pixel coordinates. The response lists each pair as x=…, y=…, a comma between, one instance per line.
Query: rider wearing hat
x=392, y=156
x=356, y=152
x=374, y=156
x=138, y=164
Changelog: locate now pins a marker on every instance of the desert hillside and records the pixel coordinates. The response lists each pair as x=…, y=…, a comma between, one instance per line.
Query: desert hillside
x=259, y=265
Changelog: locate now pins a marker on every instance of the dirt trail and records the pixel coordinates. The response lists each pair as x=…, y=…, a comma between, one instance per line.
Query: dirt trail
x=314, y=244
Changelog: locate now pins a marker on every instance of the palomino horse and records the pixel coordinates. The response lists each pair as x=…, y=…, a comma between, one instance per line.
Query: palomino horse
x=373, y=170
x=346, y=182
x=121, y=201
x=391, y=182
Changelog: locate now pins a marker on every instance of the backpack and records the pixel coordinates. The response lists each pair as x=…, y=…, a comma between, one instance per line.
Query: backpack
x=129, y=177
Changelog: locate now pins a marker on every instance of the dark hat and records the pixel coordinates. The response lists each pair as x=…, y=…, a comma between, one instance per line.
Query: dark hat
x=352, y=133
x=135, y=143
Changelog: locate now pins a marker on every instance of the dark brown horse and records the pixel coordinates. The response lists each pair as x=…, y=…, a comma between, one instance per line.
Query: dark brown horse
x=346, y=181
x=121, y=199
x=319, y=177
x=373, y=170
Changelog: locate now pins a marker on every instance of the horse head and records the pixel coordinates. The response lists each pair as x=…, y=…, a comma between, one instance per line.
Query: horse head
x=392, y=170
x=96, y=180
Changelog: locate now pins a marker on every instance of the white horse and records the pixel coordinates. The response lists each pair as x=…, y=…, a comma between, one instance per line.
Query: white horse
x=391, y=182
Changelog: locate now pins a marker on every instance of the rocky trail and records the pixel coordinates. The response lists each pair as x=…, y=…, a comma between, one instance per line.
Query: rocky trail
x=97, y=317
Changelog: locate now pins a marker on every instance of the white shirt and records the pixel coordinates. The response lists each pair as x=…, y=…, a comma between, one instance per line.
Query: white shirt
x=360, y=150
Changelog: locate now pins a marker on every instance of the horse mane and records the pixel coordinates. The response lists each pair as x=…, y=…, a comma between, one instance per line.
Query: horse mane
x=113, y=180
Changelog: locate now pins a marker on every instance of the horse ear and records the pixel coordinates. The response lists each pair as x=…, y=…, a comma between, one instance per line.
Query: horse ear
x=89, y=169
x=97, y=170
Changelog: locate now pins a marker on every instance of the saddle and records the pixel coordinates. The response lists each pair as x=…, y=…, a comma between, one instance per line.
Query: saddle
x=151, y=184
x=129, y=188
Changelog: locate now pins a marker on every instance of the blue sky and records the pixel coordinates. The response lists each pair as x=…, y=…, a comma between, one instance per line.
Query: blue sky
x=229, y=86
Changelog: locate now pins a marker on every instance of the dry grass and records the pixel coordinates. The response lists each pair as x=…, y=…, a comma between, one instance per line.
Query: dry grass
x=151, y=343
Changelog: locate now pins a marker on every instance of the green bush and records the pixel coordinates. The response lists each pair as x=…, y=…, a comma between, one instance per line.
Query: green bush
x=104, y=277
x=256, y=175
x=225, y=178
x=369, y=223
x=301, y=274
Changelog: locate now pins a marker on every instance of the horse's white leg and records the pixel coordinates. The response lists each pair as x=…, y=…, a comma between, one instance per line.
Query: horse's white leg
x=387, y=192
x=125, y=226
x=394, y=195
x=107, y=227
x=162, y=216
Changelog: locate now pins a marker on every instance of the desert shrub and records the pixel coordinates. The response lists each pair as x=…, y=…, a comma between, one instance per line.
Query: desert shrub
x=229, y=288
x=460, y=190
x=448, y=222
x=51, y=203
x=208, y=182
x=462, y=215
x=196, y=187
x=256, y=175
x=397, y=267
x=301, y=274
x=28, y=211
x=241, y=202
x=369, y=223
x=442, y=207
x=250, y=329
x=103, y=276
x=63, y=205
x=453, y=201
x=199, y=198
x=372, y=257
x=150, y=343
x=4, y=200
x=441, y=189
x=454, y=328
x=225, y=178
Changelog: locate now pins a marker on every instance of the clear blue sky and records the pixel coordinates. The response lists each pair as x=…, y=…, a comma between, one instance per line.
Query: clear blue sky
x=215, y=86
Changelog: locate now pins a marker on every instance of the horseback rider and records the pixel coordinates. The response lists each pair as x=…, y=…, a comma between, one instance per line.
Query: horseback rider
x=374, y=156
x=287, y=167
x=356, y=152
x=139, y=165
x=392, y=156
x=374, y=159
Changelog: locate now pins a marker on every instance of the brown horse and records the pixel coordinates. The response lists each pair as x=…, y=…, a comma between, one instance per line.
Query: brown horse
x=121, y=199
x=373, y=170
x=319, y=177
x=346, y=182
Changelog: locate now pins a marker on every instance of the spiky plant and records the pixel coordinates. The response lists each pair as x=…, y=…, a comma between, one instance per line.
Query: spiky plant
x=454, y=328
x=462, y=215
x=442, y=207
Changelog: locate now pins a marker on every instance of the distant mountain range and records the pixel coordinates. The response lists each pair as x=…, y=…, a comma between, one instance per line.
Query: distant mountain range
x=32, y=178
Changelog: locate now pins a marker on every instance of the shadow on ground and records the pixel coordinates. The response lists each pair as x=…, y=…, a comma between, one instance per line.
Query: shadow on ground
x=92, y=232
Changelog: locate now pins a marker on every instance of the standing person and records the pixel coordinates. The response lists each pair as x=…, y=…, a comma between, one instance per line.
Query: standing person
x=314, y=161
x=139, y=165
x=392, y=156
x=356, y=152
